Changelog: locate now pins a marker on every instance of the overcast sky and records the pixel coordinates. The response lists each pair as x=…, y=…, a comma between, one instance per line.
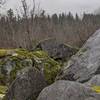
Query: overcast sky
x=57, y=6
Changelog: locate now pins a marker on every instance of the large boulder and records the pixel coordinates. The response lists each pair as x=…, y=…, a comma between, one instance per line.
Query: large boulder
x=86, y=63
x=10, y=65
x=27, y=85
x=67, y=90
x=48, y=66
x=56, y=49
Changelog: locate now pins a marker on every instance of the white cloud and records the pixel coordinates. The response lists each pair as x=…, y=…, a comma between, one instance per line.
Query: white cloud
x=56, y=6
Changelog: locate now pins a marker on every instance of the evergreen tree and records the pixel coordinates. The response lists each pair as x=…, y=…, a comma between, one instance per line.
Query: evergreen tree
x=55, y=18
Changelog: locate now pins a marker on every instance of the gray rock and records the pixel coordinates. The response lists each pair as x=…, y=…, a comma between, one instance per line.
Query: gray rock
x=67, y=90
x=86, y=63
x=10, y=65
x=27, y=86
x=94, y=81
x=56, y=49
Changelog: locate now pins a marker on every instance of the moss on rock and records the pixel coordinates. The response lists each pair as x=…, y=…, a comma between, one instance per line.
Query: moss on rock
x=6, y=52
x=3, y=52
x=10, y=65
x=21, y=58
x=3, y=90
x=96, y=89
x=49, y=66
x=44, y=63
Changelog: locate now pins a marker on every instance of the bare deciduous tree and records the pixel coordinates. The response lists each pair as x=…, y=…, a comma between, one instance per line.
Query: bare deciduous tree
x=25, y=16
x=2, y=2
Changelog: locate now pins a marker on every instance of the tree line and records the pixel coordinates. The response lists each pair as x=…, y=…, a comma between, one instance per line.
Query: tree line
x=29, y=28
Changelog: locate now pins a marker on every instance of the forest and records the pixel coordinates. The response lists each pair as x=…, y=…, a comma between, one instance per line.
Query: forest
x=30, y=26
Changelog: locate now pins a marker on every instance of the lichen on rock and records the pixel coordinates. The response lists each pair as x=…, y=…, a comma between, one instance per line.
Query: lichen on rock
x=96, y=89
x=12, y=64
x=47, y=65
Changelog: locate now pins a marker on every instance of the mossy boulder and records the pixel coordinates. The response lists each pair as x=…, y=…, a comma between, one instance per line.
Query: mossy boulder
x=48, y=66
x=12, y=64
x=41, y=60
x=11, y=67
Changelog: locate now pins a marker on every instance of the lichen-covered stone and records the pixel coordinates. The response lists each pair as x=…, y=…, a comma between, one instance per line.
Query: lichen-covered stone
x=18, y=59
x=46, y=65
x=10, y=67
x=86, y=63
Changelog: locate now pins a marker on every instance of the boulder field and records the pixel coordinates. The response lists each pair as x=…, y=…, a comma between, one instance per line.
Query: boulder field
x=51, y=71
x=86, y=63
x=23, y=71
x=20, y=67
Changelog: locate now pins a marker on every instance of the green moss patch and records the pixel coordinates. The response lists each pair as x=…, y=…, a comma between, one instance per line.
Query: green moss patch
x=3, y=89
x=4, y=52
x=96, y=89
x=49, y=66
x=21, y=58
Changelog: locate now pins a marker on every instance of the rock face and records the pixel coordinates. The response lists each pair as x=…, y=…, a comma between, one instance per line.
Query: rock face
x=66, y=90
x=56, y=49
x=86, y=63
x=27, y=86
